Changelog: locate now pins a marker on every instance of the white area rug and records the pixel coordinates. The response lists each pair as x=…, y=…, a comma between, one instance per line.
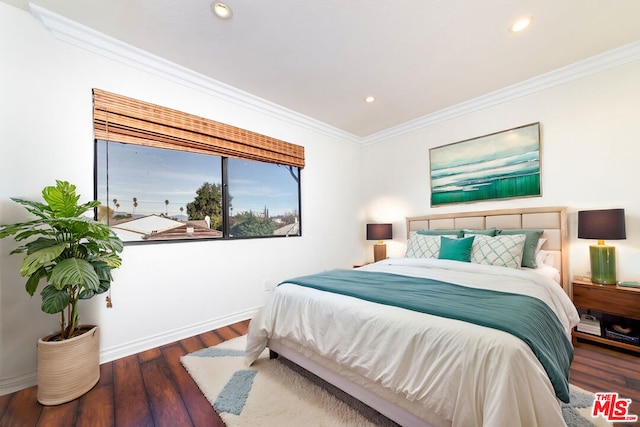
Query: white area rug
x=269, y=393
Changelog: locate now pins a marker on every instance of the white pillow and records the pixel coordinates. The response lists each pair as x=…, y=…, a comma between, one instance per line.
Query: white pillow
x=422, y=246
x=504, y=250
x=550, y=259
x=541, y=256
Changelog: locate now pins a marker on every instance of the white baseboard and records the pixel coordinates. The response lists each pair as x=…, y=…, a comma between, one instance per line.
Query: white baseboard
x=19, y=382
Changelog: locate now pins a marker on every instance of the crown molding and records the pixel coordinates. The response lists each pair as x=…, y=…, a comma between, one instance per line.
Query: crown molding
x=86, y=38
x=101, y=44
x=584, y=68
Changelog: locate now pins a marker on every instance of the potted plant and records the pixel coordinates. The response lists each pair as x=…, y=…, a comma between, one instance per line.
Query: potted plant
x=74, y=256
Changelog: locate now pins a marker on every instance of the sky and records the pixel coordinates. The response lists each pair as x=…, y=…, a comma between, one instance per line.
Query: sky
x=153, y=175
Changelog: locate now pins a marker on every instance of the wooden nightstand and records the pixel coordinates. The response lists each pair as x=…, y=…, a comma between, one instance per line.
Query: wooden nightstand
x=611, y=301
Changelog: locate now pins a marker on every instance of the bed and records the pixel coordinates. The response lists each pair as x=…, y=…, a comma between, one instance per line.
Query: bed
x=435, y=348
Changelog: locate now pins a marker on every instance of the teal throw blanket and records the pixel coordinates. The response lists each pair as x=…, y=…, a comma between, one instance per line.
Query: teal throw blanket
x=523, y=316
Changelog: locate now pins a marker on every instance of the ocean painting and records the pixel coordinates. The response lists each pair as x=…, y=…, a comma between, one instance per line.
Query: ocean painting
x=497, y=166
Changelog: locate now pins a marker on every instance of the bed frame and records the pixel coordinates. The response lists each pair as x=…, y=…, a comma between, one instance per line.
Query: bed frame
x=553, y=220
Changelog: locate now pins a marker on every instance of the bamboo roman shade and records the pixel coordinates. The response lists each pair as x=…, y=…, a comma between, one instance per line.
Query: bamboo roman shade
x=121, y=119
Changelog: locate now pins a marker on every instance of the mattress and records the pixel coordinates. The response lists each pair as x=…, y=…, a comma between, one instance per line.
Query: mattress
x=445, y=371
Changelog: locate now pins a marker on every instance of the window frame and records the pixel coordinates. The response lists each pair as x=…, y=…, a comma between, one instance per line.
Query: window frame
x=120, y=119
x=226, y=223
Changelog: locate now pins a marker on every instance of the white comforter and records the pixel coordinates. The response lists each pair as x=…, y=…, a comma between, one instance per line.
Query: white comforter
x=455, y=373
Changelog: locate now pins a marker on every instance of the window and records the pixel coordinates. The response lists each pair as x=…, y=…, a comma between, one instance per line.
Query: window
x=163, y=175
x=263, y=199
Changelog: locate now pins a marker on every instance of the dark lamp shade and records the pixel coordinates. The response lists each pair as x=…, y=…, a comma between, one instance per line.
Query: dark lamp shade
x=379, y=232
x=605, y=224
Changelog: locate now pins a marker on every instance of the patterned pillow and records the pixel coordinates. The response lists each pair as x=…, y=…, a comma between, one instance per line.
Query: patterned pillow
x=530, y=244
x=504, y=251
x=421, y=246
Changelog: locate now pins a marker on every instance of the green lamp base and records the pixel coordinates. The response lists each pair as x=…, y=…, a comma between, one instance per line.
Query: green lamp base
x=603, y=264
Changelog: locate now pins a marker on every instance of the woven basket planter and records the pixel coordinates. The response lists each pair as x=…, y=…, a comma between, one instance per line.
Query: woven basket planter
x=68, y=369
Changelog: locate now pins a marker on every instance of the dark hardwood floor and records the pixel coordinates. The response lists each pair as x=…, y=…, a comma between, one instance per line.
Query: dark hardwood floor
x=146, y=389
x=600, y=368
x=153, y=389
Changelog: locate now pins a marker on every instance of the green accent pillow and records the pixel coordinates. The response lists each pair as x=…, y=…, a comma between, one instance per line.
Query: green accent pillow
x=530, y=244
x=488, y=232
x=456, y=249
x=457, y=233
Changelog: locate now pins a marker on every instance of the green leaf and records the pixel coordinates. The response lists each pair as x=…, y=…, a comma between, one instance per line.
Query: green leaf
x=102, y=269
x=54, y=300
x=62, y=199
x=34, y=280
x=87, y=294
x=114, y=243
x=34, y=231
x=90, y=293
x=40, y=243
x=10, y=229
x=18, y=250
x=26, y=229
x=74, y=271
x=40, y=258
x=104, y=286
x=112, y=260
x=38, y=209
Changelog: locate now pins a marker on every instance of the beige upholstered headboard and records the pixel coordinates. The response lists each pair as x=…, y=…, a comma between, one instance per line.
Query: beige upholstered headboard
x=553, y=220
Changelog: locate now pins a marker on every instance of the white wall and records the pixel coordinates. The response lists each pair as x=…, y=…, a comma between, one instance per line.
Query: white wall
x=590, y=138
x=166, y=291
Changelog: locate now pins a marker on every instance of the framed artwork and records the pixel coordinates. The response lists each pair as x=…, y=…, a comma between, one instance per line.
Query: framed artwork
x=500, y=165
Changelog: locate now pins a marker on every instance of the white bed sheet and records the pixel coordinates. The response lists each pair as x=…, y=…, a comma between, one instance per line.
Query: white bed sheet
x=452, y=372
x=548, y=271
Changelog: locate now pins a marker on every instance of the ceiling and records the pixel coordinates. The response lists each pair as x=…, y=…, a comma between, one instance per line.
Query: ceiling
x=321, y=58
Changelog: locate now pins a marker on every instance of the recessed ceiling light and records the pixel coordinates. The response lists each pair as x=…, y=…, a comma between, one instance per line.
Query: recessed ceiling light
x=221, y=10
x=520, y=24
x=369, y=99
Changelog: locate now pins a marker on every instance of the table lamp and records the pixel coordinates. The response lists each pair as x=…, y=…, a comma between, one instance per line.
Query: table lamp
x=601, y=225
x=379, y=232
